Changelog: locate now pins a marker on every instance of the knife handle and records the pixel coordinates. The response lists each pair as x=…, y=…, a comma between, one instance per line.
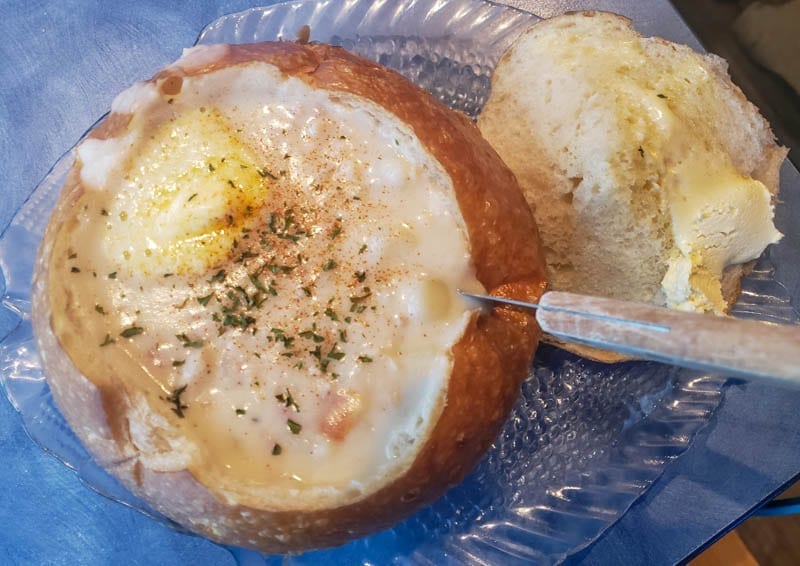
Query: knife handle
x=721, y=344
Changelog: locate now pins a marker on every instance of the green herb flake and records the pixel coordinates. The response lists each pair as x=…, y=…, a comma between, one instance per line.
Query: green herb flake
x=365, y=359
x=294, y=427
x=211, y=167
x=276, y=450
x=75, y=270
x=175, y=399
x=330, y=264
x=205, y=300
x=100, y=309
x=194, y=195
x=337, y=230
x=112, y=275
x=357, y=300
x=661, y=95
x=363, y=248
x=240, y=412
x=188, y=342
x=307, y=291
x=104, y=212
x=360, y=276
x=257, y=282
x=178, y=363
x=131, y=331
x=266, y=173
x=331, y=314
x=107, y=340
x=335, y=354
x=288, y=400
x=218, y=276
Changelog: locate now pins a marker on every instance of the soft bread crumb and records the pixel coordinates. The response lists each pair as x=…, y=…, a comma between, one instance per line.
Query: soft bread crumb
x=600, y=125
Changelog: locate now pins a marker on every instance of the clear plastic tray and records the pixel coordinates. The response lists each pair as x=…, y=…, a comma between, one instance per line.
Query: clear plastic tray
x=584, y=441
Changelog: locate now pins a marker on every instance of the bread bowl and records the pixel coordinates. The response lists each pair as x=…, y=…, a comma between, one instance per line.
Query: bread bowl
x=253, y=260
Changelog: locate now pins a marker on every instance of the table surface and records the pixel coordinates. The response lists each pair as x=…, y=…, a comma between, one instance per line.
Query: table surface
x=62, y=62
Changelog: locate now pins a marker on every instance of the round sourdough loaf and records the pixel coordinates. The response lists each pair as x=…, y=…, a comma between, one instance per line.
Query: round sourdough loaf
x=246, y=302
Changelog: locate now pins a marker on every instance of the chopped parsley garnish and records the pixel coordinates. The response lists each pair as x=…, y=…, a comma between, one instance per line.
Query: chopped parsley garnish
x=218, y=276
x=191, y=197
x=107, y=340
x=287, y=400
x=356, y=301
x=100, y=309
x=661, y=95
x=295, y=427
x=330, y=264
x=311, y=335
x=266, y=173
x=240, y=412
x=334, y=354
x=188, y=342
x=364, y=359
x=204, y=300
x=331, y=314
x=178, y=363
x=112, y=275
x=337, y=230
x=131, y=331
x=257, y=282
x=362, y=249
x=276, y=450
x=360, y=276
x=280, y=336
x=175, y=399
x=75, y=270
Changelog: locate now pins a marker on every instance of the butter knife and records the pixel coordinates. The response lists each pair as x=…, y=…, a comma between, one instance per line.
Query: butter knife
x=720, y=344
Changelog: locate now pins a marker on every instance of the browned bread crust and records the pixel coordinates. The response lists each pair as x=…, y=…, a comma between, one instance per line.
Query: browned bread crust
x=490, y=360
